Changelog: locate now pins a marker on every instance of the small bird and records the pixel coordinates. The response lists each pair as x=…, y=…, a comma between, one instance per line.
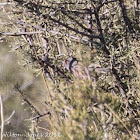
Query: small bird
x=73, y=66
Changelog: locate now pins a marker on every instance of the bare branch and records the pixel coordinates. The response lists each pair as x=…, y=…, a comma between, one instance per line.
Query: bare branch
x=2, y=118
x=9, y=117
x=7, y=3
x=20, y=33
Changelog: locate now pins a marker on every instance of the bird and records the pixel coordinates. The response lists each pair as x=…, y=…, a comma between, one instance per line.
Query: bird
x=74, y=67
x=78, y=70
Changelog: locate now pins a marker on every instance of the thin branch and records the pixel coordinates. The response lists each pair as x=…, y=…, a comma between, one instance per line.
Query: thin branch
x=2, y=118
x=20, y=33
x=26, y=100
x=43, y=128
x=9, y=117
x=6, y=3
x=28, y=25
x=59, y=3
x=104, y=48
x=90, y=22
x=77, y=22
x=40, y=6
x=125, y=17
x=70, y=28
x=23, y=87
x=104, y=3
x=39, y=116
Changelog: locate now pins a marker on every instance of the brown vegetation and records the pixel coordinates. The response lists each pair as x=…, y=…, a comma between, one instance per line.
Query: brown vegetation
x=86, y=57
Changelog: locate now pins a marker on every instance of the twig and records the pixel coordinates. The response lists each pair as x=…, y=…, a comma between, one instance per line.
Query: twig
x=125, y=17
x=104, y=48
x=28, y=25
x=27, y=100
x=39, y=116
x=2, y=118
x=104, y=3
x=43, y=128
x=70, y=28
x=6, y=3
x=9, y=117
x=19, y=90
x=21, y=33
x=23, y=87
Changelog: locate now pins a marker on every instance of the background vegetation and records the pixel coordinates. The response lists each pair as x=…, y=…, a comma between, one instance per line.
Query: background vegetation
x=74, y=64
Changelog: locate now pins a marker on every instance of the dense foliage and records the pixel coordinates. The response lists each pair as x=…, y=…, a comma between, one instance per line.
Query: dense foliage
x=87, y=53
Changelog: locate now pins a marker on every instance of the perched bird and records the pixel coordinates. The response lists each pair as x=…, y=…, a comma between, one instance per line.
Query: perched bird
x=80, y=71
x=74, y=67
